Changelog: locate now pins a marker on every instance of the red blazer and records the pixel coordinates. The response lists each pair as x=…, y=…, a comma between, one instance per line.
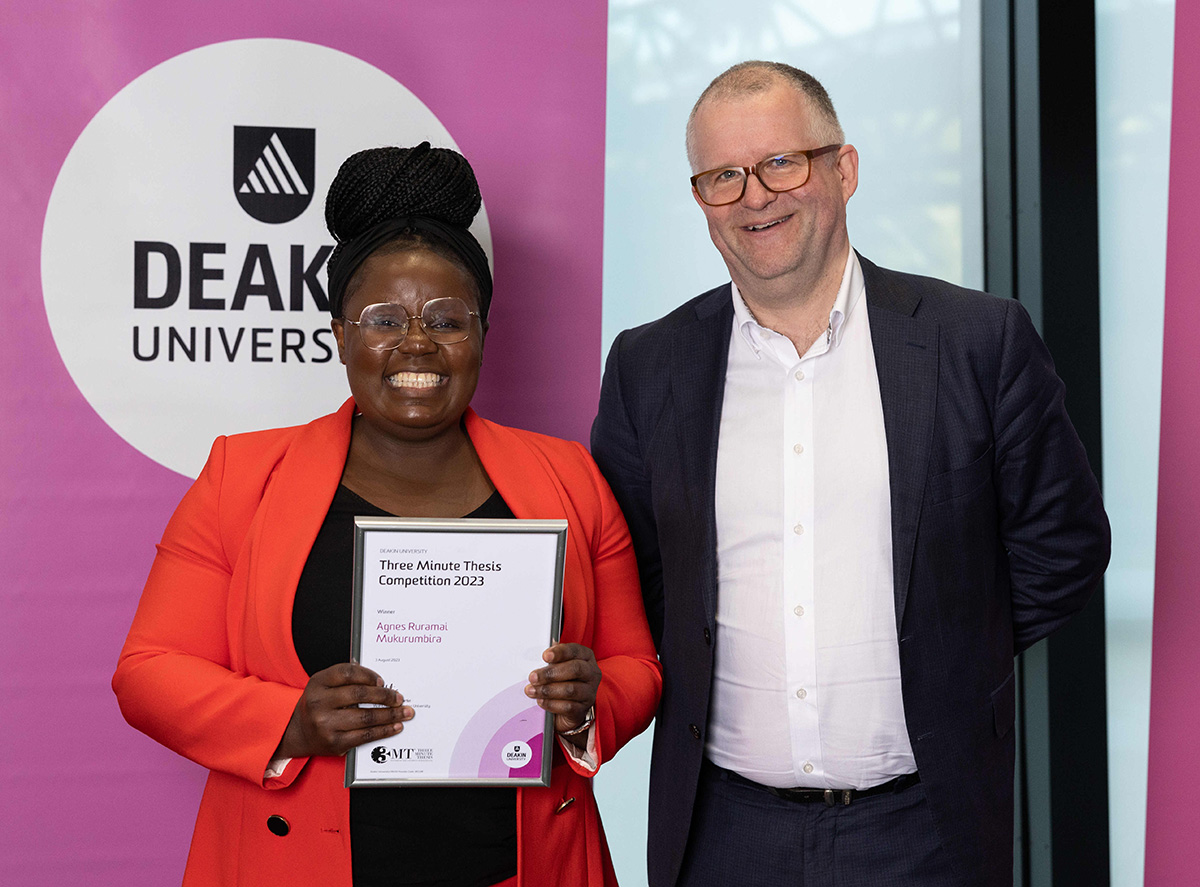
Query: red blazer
x=209, y=669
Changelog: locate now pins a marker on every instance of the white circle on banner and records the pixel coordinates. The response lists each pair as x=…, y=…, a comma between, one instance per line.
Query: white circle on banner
x=516, y=755
x=184, y=243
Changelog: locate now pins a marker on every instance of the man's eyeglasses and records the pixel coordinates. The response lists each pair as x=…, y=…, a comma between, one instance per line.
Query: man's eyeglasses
x=384, y=326
x=781, y=172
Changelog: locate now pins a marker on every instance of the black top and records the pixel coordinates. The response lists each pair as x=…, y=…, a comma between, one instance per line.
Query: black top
x=449, y=837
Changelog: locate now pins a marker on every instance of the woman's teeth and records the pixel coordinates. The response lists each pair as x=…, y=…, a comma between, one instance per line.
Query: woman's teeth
x=416, y=380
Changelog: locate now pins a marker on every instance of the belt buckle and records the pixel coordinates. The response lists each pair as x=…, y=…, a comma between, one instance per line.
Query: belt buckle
x=831, y=797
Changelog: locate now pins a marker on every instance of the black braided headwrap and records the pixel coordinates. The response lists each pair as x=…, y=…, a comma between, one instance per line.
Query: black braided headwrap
x=382, y=193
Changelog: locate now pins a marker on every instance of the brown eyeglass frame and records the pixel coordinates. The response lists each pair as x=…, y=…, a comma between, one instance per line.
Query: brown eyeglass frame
x=753, y=170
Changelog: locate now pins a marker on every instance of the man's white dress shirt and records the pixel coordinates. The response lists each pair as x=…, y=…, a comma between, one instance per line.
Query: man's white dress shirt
x=806, y=686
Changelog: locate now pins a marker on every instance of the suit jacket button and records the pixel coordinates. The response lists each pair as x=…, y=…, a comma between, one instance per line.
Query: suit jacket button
x=695, y=730
x=278, y=825
x=707, y=636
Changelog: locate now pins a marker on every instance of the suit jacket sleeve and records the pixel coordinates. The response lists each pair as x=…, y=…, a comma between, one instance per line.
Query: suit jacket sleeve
x=175, y=679
x=618, y=452
x=1052, y=520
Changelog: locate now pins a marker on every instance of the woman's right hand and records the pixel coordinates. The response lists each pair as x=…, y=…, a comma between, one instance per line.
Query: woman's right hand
x=328, y=721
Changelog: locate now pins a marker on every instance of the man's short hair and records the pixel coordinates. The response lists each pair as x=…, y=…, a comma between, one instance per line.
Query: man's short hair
x=746, y=78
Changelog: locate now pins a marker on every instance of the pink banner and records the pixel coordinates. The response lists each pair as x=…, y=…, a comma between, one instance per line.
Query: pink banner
x=1172, y=853
x=519, y=88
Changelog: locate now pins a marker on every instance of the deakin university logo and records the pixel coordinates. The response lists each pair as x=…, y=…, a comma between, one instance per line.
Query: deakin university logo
x=273, y=171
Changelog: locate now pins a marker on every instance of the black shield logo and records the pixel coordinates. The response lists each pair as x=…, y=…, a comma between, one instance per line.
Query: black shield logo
x=274, y=171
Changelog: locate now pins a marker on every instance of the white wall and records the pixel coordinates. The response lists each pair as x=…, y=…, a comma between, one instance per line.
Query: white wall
x=1134, y=41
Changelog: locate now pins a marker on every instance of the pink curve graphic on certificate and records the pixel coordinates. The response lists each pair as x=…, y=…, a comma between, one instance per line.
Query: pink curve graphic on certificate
x=505, y=718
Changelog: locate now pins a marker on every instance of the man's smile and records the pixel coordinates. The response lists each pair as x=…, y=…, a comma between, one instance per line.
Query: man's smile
x=763, y=226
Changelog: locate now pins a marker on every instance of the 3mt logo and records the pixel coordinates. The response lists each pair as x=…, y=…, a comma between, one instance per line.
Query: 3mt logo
x=273, y=171
x=381, y=754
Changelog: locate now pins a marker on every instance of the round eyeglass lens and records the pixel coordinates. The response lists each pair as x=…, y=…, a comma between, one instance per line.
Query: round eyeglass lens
x=446, y=321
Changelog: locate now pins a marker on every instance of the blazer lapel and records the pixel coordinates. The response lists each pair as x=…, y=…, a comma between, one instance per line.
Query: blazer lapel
x=532, y=488
x=699, y=357
x=906, y=359
x=294, y=506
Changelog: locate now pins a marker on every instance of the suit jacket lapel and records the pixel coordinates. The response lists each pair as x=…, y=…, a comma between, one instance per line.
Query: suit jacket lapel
x=699, y=356
x=906, y=359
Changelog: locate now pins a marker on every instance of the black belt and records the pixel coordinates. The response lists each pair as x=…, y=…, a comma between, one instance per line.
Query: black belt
x=831, y=797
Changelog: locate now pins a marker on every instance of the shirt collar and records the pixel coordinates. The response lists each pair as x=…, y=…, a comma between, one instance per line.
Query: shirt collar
x=849, y=294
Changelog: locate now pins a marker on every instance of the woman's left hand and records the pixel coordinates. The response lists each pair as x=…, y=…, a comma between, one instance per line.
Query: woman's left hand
x=567, y=686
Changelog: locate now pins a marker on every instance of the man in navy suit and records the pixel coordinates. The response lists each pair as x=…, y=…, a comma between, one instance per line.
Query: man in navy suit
x=855, y=496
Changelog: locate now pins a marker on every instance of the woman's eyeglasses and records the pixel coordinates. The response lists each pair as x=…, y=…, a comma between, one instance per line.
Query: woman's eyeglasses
x=384, y=326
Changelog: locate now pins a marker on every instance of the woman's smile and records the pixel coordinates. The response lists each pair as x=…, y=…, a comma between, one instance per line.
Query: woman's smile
x=417, y=380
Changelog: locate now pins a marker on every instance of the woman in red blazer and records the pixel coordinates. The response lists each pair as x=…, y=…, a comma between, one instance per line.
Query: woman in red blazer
x=235, y=655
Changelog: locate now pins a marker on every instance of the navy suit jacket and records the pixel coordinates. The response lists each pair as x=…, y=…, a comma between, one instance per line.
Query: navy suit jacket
x=998, y=535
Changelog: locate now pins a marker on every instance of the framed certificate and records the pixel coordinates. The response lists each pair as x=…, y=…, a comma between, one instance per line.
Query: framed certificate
x=455, y=614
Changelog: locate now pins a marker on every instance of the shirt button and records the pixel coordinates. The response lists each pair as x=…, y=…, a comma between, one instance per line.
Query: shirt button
x=799, y=610
x=801, y=693
x=799, y=375
x=798, y=448
x=808, y=768
x=798, y=530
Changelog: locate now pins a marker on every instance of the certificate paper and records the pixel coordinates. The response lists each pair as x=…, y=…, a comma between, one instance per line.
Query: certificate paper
x=455, y=614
